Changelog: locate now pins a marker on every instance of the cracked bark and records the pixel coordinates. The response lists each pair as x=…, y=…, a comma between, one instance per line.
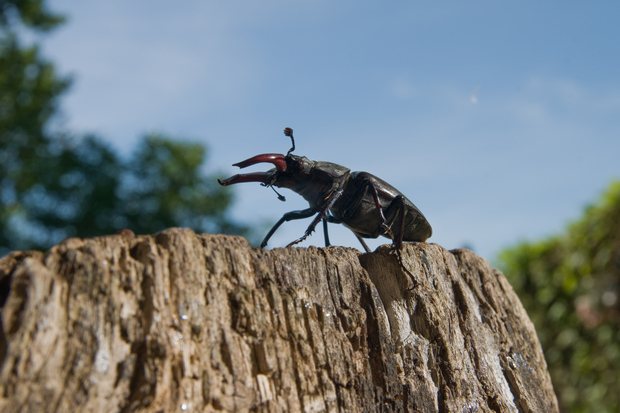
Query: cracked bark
x=184, y=322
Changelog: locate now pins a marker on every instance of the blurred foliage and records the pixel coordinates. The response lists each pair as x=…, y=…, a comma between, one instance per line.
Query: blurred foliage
x=53, y=186
x=165, y=188
x=570, y=286
x=31, y=13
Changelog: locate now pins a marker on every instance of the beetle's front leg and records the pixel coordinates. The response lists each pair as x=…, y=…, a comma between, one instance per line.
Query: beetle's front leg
x=289, y=216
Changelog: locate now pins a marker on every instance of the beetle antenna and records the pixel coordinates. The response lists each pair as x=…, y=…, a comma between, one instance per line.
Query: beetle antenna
x=289, y=132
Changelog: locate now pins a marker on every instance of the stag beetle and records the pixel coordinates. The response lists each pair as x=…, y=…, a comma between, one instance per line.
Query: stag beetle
x=365, y=204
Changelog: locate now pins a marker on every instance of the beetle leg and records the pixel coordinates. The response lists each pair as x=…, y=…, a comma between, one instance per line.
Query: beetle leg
x=289, y=216
x=331, y=219
x=397, y=204
x=362, y=242
x=375, y=196
x=322, y=214
x=397, y=242
x=327, y=243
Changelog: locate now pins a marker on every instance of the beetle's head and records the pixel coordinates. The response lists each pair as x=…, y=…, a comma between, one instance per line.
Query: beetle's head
x=286, y=173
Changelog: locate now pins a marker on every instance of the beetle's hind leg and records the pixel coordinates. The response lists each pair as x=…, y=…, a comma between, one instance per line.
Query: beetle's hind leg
x=396, y=210
x=397, y=206
x=386, y=215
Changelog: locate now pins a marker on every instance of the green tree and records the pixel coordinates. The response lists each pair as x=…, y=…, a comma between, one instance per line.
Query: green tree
x=570, y=286
x=164, y=188
x=53, y=186
x=31, y=13
x=29, y=91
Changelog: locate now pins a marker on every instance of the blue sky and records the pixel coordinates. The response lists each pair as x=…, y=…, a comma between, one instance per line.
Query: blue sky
x=499, y=120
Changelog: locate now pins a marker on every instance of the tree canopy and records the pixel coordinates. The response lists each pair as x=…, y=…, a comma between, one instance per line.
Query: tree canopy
x=31, y=13
x=54, y=184
x=570, y=286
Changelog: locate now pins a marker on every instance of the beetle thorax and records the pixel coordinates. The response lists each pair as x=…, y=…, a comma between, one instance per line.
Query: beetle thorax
x=313, y=180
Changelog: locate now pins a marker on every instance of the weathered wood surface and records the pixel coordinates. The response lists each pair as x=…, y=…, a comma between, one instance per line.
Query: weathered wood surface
x=184, y=322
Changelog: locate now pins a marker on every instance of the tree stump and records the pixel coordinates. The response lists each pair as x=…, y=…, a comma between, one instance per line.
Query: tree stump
x=177, y=322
